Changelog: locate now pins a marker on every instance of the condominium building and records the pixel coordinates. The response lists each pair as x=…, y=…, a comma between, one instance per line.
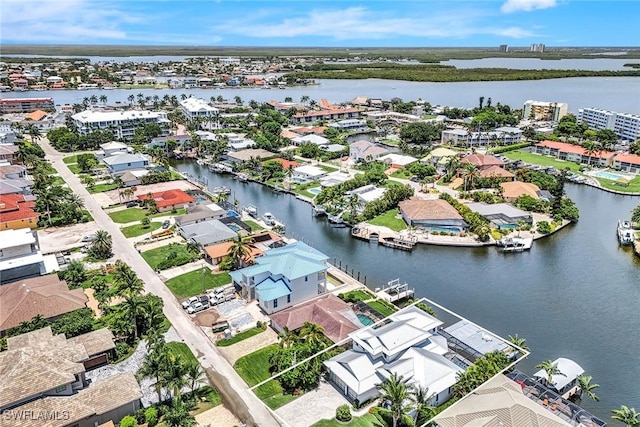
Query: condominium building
x=122, y=123
x=537, y=47
x=198, y=109
x=503, y=136
x=26, y=105
x=626, y=126
x=543, y=110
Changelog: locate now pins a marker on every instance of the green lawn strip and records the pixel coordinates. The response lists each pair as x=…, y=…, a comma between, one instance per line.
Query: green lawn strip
x=155, y=256
x=633, y=187
x=71, y=159
x=181, y=349
x=137, y=214
x=367, y=420
x=254, y=225
x=74, y=168
x=239, y=337
x=101, y=188
x=207, y=398
x=538, y=159
x=357, y=295
x=382, y=307
x=190, y=284
x=327, y=169
x=139, y=229
x=388, y=219
x=58, y=180
x=254, y=368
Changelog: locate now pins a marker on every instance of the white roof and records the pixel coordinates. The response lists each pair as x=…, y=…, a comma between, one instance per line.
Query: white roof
x=113, y=145
x=124, y=158
x=89, y=116
x=398, y=159
x=426, y=369
x=193, y=104
x=568, y=367
x=16, y=237
x=357, y=370
x=311, y=138
x=371, y=195
x=312, y=171
x=477, y=338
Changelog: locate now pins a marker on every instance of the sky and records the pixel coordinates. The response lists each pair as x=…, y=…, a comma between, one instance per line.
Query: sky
x=321, y=23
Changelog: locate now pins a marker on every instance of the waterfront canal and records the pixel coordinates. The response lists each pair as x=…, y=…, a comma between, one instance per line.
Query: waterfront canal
x=575, y=294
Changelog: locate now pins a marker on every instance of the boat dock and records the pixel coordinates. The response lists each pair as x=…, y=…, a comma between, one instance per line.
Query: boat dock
x=390, y=240
x=395, y=291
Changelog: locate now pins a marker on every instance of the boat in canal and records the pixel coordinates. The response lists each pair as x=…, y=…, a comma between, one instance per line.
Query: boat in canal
x=625, y=232
x=251, y=210
x=515, y=244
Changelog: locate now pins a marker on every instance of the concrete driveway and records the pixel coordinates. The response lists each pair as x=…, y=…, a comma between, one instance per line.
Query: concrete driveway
x=324, y=400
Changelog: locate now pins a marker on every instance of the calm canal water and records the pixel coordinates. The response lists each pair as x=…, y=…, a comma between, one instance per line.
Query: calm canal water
x=575, y=294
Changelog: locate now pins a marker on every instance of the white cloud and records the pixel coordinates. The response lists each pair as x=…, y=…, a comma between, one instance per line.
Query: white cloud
x=511, y=6
x=358, y=23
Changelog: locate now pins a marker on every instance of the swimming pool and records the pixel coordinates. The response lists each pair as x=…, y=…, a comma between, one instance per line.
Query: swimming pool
x=444, y=229
x=234, y=227
x=365, y=320
x=315, y=191
x=200, y=200
x=609, y=175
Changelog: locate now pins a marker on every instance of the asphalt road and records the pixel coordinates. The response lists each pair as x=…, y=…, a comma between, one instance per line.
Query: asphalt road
x=235, y=393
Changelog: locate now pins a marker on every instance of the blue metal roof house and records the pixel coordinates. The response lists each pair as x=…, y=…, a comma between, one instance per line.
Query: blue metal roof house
x=283, y=277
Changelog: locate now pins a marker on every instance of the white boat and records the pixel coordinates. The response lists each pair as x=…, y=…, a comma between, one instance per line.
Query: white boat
x=221, y=190
x=251, y=210
x=515, y=244
x=243, y=177
x=625, y=232
x=268, y=218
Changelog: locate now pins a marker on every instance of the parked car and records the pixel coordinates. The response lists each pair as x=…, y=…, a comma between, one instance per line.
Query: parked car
x=88, y=238
x=414, y=179
x=132, y=204
x=166, y=224
x=196, y=307
x=204, y=300
x=187, y=303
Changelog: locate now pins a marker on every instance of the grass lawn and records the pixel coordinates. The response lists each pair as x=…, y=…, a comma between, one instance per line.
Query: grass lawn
x=71, y=159
x=382, y=307
x=101, y=188
x=157, y=255
x=538, y=159
x=182, y=350
x=136, y=214
x=357, y=295
x=633, y=187
x=207, y=398
x=327, y=169
x=254, y=368
x=239, y=337
x=254, y=225
x=190, y=284
x=388, y=219
x=402, y=174
x=367, y=420
x=58, y=181
x=139, y=229
x=74, y=168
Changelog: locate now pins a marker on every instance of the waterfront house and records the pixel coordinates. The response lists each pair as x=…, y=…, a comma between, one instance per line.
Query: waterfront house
x=497, y=172
x=407, y=346
x=20, y=256
x=112, y=148
x=514, y=189
x=397, y=161
x=197, y=109
x=335, y=316
x=199, y=213
x=574, y=153
x=432, y=215
x=366, y=151
x=502, y=215
x=206, y=233
x=46, y=371
x=17, y=210
x=246, y=155
x=310, y=139
x=349, y=125
x=47, y=296
x=627, y=163
x=169, y=199
x=366, y=194
x=118, y=164
x=283, y=277
x=260, y=242
x=481, y=161
x=308, y=173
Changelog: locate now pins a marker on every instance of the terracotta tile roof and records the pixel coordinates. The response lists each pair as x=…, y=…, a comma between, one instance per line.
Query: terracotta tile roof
x=287, y=163
x=36, y=116
x=327, y=112
x=286, y=133
x=169, y=198
x=13, y=207
x=629, y=158
x=318, y=130
x=331, y=313
x=221, y=250
x=45, y=295
x=420, y=209
x=574, y=149
x=515, y=189
x=482, y=161
x=496, y=171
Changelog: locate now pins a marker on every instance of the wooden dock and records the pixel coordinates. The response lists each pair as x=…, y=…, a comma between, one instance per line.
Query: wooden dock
x=385, y=239
x=395, y=291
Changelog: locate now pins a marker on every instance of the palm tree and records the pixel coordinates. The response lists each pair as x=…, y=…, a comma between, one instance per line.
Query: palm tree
x=174, y=377
x=131, y=309
x=587, y=387
x=304, y=99
x=194, y=374
x=240, y=250
x=127, y=281
x=635, y=214
x=103, y=99
x=155, y=363
x=76, y=201
x=33, y=131
x=394, y=393
x=469, y=173
x=424, y=411
x=519, y=342
x=101, y=246
x=131, y=98
x=312, y=333
x=287, y=338
x=626, y=415
x=179, y=414
x=550, y=369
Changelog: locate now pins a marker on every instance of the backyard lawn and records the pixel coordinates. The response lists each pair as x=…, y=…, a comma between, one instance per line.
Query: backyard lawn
x=538, y=159
x=367, y=420
x=137, y=214
x=100, y=188
x=328, y=169
x=633, y=187
x=139, y=229
x=254, y=225
x=182, y=350
x=382, y=307
x=191, y=283
x=239, y=337
x=357, y=295
x=254, y=368
x=74, y=168
x=153, y=257
x=389, y=219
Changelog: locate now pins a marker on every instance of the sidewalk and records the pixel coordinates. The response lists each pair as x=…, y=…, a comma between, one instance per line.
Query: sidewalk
x=186, y=268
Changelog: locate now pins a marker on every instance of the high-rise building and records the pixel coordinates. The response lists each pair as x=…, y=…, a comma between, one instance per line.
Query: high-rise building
x=542, y=110
x=539, y=47
x=626, y=126
x=504, y=48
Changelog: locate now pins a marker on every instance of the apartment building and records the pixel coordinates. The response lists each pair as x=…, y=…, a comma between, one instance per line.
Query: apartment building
x=122, y=123
x=626, y=126
x=504, y=136
x=198, y=109
x=543, y=110
x=26, y=105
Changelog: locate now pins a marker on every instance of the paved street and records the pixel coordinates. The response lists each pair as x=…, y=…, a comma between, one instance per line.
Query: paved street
x=235, y=394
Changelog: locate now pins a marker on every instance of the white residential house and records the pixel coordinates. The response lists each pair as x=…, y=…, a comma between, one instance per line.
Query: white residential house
x=366, y=194
x=349, y=125
x=408, y=346
x=310, y=139
x=112, y=148
x=198, y=109
x=366, y=151
x=308, y=173
x=20, y=256
x=283, y=277
x=120, y=163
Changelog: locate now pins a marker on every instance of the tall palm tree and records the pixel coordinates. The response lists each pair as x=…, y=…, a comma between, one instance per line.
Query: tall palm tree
x=469, y=173
x=178, y=415
x=240, y=250
x=421, y=398
x=101, y=246
x=550, y=369
x=175, y=376
x=587, y=387
x=194, y=374
x=626, y=415
x=127, y=282
x=155, y=363
x=131, y=309
x=395, y=392
x=33, y=131
x=518, y=342
x=287, y=338
x=312, y=333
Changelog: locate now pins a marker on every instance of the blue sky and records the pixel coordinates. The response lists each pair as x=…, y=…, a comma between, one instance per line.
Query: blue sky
x=321, y=22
